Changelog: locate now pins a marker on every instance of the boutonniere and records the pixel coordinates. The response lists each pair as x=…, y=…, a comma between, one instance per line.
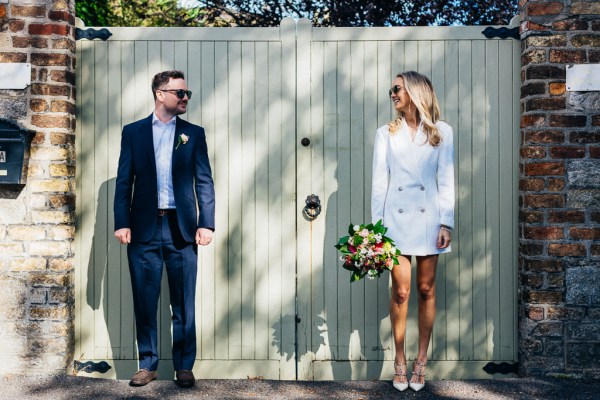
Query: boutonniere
x=183, y=139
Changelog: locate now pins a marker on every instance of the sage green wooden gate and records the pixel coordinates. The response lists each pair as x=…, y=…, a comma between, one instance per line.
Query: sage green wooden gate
x=272, y=299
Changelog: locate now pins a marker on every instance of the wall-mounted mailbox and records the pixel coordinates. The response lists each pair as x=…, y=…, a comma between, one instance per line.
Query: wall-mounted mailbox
x=14, y=145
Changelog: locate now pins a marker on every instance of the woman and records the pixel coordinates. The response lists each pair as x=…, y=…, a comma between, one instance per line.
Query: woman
x=413, y=193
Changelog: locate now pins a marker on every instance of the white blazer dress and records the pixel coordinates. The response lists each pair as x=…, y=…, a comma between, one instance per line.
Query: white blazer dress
x=413, y=188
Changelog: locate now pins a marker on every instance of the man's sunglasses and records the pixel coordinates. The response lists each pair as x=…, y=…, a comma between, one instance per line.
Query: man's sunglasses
x=395, y=89
x=179, y=92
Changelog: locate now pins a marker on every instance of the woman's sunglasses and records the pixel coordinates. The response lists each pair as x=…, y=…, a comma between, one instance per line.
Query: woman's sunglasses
x=179, y=92
x=395, y=89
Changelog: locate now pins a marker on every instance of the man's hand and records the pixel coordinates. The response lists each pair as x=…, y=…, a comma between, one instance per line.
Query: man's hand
x=123, y=235
x=203, y=236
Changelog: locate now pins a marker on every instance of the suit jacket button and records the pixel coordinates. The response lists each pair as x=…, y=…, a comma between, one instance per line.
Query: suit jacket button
x=400, y=188
x=422, y=188
x=400, y=210
x=422, y=209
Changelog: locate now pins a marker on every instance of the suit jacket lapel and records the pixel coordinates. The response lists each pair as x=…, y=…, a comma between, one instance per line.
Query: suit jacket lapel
x=423, y=148
x=147, y=142
x=406, y=151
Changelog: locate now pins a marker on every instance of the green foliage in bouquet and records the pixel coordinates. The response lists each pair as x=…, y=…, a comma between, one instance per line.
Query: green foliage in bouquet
x=366, y=251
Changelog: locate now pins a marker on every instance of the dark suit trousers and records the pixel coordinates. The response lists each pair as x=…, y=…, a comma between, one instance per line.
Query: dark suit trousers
x=146, y=266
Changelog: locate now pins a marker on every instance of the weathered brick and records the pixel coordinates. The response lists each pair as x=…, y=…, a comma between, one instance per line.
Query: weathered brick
x=567, y=152
x=544, y=136
x=51, y=59
x=545, y=168
x=63, y=44
x=556, y=184
x=531, y=217
x=546, y=8
x=16, y=25
x=566, y=313
x=584, y=137
x=531, y=185
x=58, y=138
x=61, y=264
x=35, y=171
x=61, y=200
x=543, y=297
x=570, y=25
x=51, y=121
x=544, y=201
x=566, y=250
x=61, y=232
x=557, y=88
x=50, y=185
x=535, y=56
x=535, y=313
x=566, y=120
x=61, y=106
x=555, y=281
x=13, y=57
x=567, y=56
x=63, y=76
x=596, y=120
x=533, y=152
x=545, y=72
x=60, y=5
x=582, y=355
x=51, y=217
x=49, y=29
x=29, y=41
x=586, y=40
x=28, y=11
x=559, y=217
x=50, y=90
x=62, y=16
x=583, y=198
x=38, y=105
x=546, y=265
x=594, y=152
x=49, y=153
x=57, y=170
x=532, y=281
x=43, y=75
x=533, y=88
x=531, y=249
x=26, y=232
x=596, y=25
x=27, y=264
x=584, y=7
x=11, y=249
x=59, y=295
x=594, y=56
x=584, y=233
x=532, y=120
x=39, y=138
x=50, y=312
x=595, y=250
x=50, y=248
x=593, y=313
x=49, y=280
x=543, y=233
x=545, y=103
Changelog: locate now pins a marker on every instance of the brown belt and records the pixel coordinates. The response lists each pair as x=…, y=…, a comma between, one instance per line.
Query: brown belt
x=165, y=211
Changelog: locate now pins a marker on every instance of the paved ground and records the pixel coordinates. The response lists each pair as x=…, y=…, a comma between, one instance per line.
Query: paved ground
x=72, y=387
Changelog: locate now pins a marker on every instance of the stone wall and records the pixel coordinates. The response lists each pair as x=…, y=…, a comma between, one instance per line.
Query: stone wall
x=559, y=193
x=37, y=220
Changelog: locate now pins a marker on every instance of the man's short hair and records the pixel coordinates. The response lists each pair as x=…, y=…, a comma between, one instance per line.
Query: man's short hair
x=162, y=78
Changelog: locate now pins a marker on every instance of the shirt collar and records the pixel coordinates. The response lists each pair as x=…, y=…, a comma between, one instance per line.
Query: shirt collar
x=156, y=121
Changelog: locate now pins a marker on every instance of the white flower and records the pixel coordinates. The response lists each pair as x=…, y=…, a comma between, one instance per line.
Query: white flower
x=356, y=228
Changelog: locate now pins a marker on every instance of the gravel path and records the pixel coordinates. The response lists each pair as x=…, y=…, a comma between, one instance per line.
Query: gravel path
x=81, y=388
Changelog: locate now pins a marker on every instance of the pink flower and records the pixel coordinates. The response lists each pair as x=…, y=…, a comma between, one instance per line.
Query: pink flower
x=364, y=233
x=352, y=249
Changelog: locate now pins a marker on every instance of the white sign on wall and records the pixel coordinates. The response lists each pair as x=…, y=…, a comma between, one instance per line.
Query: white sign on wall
x=15, y=75
x=584, y=77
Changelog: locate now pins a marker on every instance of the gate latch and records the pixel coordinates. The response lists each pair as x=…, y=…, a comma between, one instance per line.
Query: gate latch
x=312, y=209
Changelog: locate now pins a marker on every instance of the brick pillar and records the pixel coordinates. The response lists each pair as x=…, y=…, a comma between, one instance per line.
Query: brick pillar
x=559, y=223
x=37, y=221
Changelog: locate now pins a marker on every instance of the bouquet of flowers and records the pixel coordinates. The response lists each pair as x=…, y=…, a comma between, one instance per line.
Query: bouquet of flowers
x=366, y=251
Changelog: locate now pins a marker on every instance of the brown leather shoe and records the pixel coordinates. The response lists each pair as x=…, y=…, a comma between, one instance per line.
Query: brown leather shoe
x=185, y=378
x=142, y=377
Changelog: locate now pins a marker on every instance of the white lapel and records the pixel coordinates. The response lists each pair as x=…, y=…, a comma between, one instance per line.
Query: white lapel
x=422, y=148
x=406, y=151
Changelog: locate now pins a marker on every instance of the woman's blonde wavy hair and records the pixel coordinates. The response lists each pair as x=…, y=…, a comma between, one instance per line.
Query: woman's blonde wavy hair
x=421, y=93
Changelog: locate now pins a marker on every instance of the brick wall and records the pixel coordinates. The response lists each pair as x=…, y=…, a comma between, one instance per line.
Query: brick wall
x=559, y=193
x=37, y=222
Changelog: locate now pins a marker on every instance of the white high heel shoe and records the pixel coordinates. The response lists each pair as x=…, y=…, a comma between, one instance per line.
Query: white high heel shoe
x=419, y=371
x=401, y=386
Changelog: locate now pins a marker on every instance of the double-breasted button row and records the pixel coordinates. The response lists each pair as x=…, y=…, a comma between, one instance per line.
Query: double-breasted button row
x=400, y=188
x=420, y=209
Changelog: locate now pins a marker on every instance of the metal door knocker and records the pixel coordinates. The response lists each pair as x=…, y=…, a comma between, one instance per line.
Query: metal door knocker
x=312, y=209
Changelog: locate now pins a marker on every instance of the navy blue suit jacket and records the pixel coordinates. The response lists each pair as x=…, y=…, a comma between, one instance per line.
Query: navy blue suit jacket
x=136, y=191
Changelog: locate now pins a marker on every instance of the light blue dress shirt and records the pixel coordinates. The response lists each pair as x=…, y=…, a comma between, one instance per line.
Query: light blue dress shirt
x=163, y=136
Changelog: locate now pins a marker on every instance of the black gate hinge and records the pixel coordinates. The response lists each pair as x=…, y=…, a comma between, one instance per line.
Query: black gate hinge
x=502, y=368
x=91, y=34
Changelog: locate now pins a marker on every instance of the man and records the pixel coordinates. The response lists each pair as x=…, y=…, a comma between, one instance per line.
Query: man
x=164, y=208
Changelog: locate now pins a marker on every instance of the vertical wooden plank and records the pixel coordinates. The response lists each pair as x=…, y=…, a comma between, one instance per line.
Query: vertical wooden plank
x=344, y=196
x=166, y=62
x=465, y=199
x=261, y=228
x=317, y=179
x=506, y=158
x=77, y=248
x=479, y=326
x=128, y=97
x=98, y=175
x=411, y=56
x=331, y=263
x=222, y=171
x=371, y=333
x=516, y=143
x=451, y=99
x=438, y=345
x=113, y=265
x=248, y=92
x=425, y=57
x=492, y=201
x=235, y=208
